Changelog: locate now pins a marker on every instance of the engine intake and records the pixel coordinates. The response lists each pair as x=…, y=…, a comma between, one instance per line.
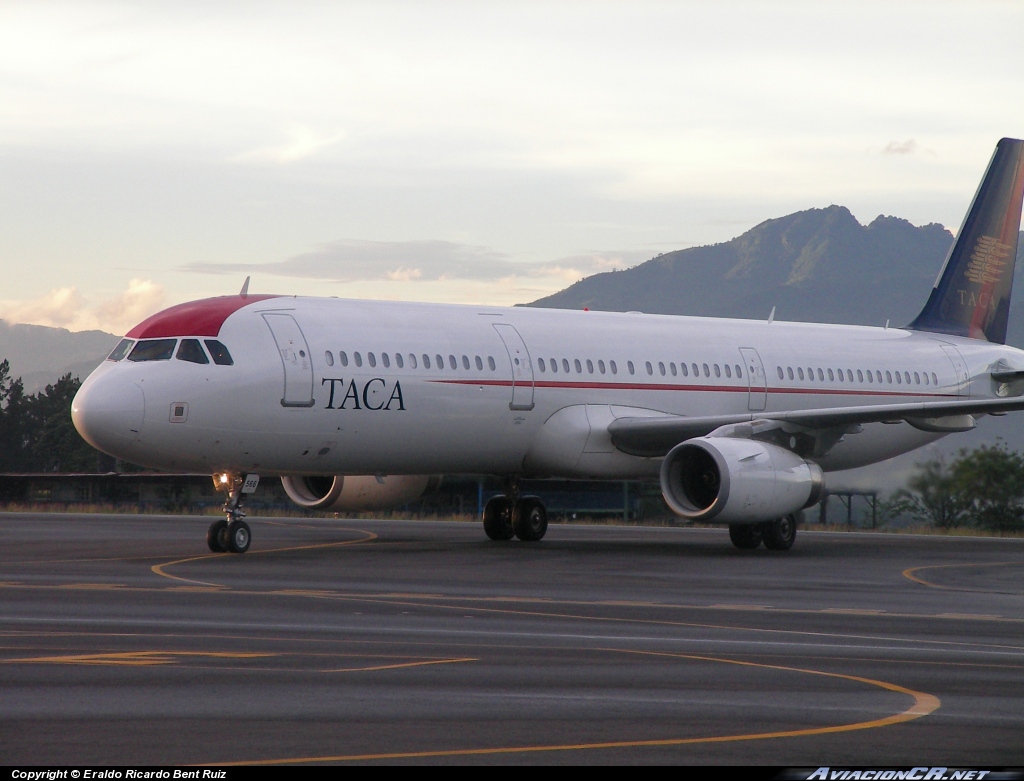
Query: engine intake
x=358, y=492
x=725, y=480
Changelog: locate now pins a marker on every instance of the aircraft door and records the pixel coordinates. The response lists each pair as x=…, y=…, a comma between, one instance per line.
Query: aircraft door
x=963, y=380
x=757, y=380
x=522, y=367
x=294, y=352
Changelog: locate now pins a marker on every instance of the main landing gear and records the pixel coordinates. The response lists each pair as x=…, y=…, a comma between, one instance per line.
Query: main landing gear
x=513, y=515
x=776, y=535
x=231, y=534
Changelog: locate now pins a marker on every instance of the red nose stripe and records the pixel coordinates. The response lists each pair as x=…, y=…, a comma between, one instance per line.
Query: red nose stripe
x=196, y=318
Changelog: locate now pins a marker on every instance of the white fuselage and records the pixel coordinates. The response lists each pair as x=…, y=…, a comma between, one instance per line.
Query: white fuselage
x=332, y=386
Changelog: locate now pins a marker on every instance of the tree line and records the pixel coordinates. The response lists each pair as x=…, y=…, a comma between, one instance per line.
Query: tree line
x=36, y=432
x=981, y=488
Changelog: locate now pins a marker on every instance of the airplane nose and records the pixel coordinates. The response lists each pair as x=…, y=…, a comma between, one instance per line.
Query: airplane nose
x=108, y=411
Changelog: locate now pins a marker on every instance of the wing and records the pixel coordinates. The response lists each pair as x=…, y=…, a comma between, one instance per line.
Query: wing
x=655, y=436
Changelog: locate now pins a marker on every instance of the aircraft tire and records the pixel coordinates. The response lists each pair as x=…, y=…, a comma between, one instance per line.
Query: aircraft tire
x=217, y=536
x=745, y=536
x=780, y=533
x=530, y=519
x=498, y=518
x=239, y=537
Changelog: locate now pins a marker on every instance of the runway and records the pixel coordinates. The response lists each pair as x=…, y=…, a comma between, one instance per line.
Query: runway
x=124, y=641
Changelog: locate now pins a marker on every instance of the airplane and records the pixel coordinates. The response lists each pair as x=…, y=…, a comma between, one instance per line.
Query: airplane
x=359, y=405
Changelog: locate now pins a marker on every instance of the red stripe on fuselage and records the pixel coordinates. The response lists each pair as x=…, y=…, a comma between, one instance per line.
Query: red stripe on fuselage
x=690, y=388
x=195, y=318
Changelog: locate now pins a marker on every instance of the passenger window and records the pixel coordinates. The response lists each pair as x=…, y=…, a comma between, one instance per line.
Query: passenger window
x=385, y=359
x=728, y=371
x=119, y=352
x=696, y=371
x=371, y=359
x=578, y=365
x=399, y=362
x=613, y=367
x=358, y=358
x=565, y=365
x=590, y=366
x=426, y=361
x=800, y=371
x=629, y=365
x=344, y=358
x=328, y=358
x=821, y=376
x=153, y=350
x=465, y=362
x=439, y=360
x=452, y=363
x=650, y=369
x=490, y=362
x=219, y=353
x=684, y=370
x=878, y=376
x=479, y=363
x=541, y=365
x=661, y=368
x=830, y=376
x=935, y=380
x=554, y=365
x=718, y=372
x=899, y=378
x=412, y=360
x=860, y=376
x=672, y=368
x=888, y=377
x=600, y=366
x=739, y=371
x=789, y=371
x=190, y=350
x=707, y=371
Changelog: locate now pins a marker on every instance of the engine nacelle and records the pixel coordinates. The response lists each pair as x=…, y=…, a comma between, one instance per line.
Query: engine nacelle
x=359, y=492
x=725, y=480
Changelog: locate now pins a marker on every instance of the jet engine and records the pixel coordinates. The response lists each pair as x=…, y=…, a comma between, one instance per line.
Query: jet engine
x=736, y=481
x=359, y=492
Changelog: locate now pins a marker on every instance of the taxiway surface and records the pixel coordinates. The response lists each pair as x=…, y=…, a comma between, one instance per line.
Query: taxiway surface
x=125, y=641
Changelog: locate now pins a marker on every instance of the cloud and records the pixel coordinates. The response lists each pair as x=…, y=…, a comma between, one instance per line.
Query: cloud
x=142, y=298
x=900, y=147
x=302, y=143
x=349, y=261
x=65, y=308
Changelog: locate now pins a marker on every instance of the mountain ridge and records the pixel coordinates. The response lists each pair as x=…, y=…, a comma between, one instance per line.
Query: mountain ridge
x=816, y=265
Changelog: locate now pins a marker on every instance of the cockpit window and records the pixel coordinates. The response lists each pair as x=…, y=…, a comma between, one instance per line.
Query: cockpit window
x=190, y=350
x=121, y=350
x=153, y=350
x=219, y=352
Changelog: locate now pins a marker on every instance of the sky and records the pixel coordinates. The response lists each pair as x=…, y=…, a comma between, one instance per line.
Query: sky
x=157, y=152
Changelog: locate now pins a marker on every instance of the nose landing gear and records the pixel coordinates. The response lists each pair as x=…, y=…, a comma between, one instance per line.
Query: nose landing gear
x=232, y=534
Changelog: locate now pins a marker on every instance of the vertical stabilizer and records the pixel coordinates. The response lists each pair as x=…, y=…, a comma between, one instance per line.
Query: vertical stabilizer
x=971, y=297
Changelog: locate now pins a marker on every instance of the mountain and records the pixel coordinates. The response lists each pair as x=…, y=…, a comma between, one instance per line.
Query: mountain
x=41, y=355
x=819, y=265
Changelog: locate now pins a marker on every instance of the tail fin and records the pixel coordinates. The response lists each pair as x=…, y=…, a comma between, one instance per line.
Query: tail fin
x=971, y=297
